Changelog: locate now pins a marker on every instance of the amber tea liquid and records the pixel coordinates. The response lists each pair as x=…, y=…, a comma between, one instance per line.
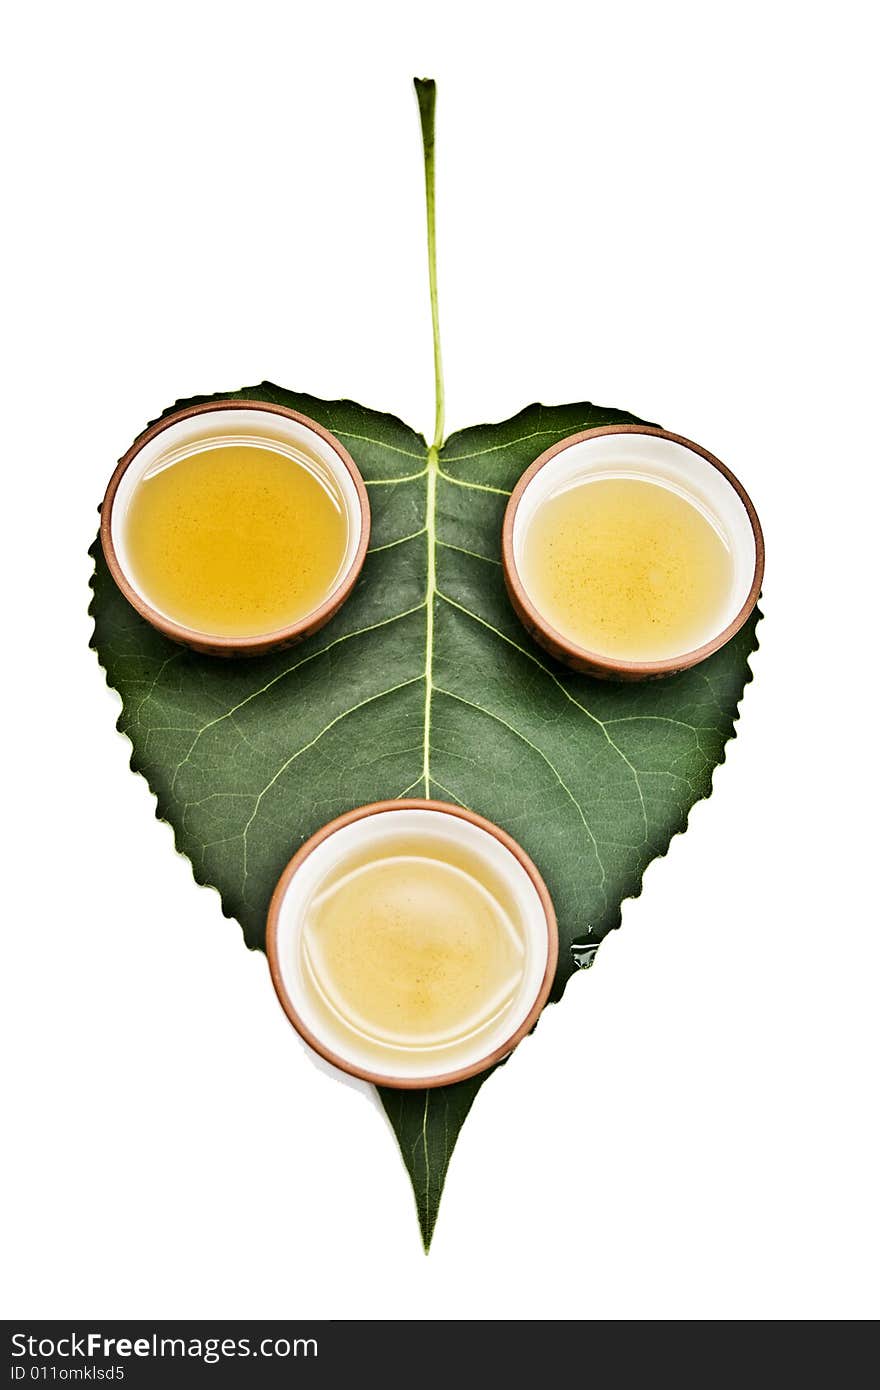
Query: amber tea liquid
x=237, y=539
x=627, y=567
x=415, y=945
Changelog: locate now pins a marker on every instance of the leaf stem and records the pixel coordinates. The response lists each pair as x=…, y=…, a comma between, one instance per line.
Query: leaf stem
x=426, y=91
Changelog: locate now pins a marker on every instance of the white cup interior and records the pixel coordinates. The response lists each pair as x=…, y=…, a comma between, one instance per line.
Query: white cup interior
x=393, y=1060
x=239, y=426
x=654, y=459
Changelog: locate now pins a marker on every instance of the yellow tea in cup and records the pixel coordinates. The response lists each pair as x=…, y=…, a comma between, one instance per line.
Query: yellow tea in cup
x=418, y=946
x=237, y=538
x=626, y=567
x=411, y=942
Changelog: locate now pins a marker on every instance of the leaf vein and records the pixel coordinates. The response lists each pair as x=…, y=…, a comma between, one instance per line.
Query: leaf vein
x=401, y=540
x=490, y=714
x=567, y=693
x=522, y=439
x=380, y=444
x=304, y=749
x=473, y=487
x=282, y=675
x=392, y=482
x=487, y=559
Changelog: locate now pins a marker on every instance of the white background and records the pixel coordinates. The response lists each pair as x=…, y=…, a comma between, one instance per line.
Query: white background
x=666, y=208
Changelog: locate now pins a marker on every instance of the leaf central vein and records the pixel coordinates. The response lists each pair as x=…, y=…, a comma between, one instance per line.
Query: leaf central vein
x=430, y=593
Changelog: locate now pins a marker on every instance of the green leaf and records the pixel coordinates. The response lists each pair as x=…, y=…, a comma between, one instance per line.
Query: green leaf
x=424, y=684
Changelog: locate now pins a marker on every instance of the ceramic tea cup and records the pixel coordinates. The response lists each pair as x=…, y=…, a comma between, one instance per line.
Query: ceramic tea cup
x=217, y=424
x=654, y=455
x=363, y=836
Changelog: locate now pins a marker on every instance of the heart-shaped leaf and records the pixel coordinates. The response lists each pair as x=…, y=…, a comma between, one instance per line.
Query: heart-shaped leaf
x=423, y=684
